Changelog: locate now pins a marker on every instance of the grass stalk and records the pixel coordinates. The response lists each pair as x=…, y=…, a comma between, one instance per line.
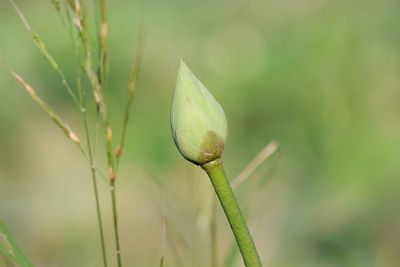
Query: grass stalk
x=10, y=251
x=232, y=211
x=103, y=36
x=132, y=81
x=82, y=99
x=51, y=113
x=267, y=152
x=112, y=176
x=104, y=70
x=92, y=166
x=97, y=201
x=98, y=85
x=96, y=194
x=98, y=82
x=47, y=108
x=115, y=221
x=43, y=49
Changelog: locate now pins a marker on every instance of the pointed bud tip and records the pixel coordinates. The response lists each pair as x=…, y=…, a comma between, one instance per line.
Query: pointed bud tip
x=182, y=68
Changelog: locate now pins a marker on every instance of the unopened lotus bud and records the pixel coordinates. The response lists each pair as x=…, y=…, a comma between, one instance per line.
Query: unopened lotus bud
x=198, y=122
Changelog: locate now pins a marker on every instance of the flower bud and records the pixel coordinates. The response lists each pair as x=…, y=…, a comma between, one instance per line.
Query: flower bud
x=198, y=122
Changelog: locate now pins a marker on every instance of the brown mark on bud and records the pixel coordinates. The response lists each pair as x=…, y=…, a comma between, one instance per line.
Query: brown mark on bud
x=211, y=148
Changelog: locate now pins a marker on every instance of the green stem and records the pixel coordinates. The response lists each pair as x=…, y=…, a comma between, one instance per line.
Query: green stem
x=115, y=220
x=99, y=220
x=236, y=220
x=82, y=98
x=96, y=192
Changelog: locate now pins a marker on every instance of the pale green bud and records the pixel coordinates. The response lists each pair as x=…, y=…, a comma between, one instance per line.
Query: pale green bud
x=198, y=122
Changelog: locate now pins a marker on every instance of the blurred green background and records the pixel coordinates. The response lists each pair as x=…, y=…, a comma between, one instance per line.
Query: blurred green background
x=320, y=77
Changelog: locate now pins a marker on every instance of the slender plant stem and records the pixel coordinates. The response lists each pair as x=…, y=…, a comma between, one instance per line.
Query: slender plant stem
x=99, y=219
x=43, y=49
x=99, y=86
x=80, y=102
x=93, y=172
x=232, y=211
x=82, y=99
x=115, y=220
x=131, y=93
x=112, y=177
x=104, y=70
x=103, y=36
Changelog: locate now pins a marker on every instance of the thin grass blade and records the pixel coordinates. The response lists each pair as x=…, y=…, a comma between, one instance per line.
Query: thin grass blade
x=131, y=93
x=43, y=49
x=267, y=152
x=46, y=108
x=10, y=251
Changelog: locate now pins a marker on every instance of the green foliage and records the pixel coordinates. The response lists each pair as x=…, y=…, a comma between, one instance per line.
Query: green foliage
x=10, y=253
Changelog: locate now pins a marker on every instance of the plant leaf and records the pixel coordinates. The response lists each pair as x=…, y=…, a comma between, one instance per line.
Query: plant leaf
x=10, y=253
